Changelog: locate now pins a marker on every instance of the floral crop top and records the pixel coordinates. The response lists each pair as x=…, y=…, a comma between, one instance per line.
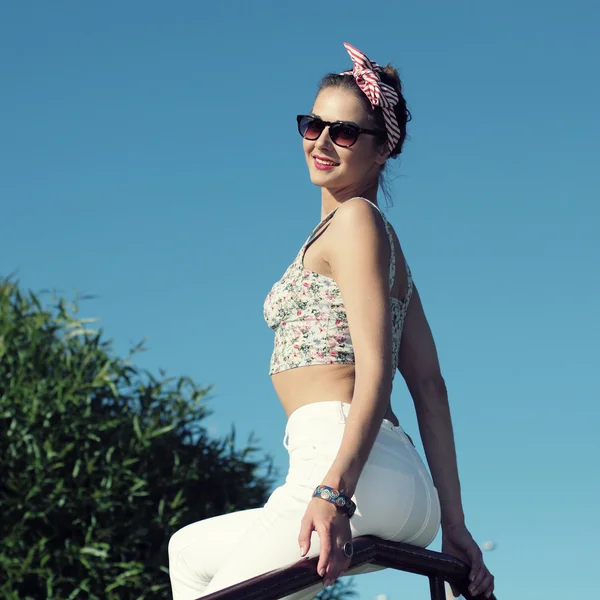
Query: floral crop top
x=306, y=311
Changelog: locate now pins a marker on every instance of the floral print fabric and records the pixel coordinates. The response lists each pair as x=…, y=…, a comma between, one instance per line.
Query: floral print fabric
x=306, y=311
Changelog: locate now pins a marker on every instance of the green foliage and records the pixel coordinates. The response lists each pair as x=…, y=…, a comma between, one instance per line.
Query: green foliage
x=100, y=462
x=342, y=589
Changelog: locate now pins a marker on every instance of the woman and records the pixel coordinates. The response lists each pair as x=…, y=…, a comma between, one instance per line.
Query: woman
x=346, y=314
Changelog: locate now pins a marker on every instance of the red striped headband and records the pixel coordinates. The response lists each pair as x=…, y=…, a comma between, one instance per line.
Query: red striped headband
x=366, y=73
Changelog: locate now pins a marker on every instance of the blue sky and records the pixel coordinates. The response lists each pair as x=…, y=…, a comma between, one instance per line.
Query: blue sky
x=149, y=156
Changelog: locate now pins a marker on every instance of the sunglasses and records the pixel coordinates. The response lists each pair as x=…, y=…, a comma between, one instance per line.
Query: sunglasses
x=341, y=133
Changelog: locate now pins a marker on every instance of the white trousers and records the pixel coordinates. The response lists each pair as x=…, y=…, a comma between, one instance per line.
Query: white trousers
x=395, y=498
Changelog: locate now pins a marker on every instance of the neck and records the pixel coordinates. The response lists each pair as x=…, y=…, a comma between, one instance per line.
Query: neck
x=332, y=199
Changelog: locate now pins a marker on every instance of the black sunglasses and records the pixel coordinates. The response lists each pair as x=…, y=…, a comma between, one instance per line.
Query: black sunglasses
x=341, y=133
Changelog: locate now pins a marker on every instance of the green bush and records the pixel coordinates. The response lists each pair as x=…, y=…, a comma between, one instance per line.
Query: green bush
x=100, y=462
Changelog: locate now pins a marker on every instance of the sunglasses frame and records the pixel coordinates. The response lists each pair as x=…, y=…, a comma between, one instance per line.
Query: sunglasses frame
x=376, y=132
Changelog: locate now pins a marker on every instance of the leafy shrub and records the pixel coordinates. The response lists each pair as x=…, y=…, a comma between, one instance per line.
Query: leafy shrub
x=100, y=461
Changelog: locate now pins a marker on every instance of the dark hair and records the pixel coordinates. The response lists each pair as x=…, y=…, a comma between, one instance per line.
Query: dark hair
x=390, y=77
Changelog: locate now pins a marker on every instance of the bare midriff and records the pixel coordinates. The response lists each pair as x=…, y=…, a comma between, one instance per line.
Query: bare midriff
x=318, y=383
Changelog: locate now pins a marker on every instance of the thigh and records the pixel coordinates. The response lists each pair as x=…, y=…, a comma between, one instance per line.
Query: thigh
x=270, y=542
x=199, y=549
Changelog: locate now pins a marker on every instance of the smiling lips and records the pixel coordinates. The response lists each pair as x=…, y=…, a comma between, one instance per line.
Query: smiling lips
x=324, y=164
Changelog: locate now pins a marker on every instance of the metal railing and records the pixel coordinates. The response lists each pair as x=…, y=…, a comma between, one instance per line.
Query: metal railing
x=437, y=567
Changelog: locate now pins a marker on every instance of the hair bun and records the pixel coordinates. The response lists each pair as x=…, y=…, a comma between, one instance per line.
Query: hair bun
x=391, y=77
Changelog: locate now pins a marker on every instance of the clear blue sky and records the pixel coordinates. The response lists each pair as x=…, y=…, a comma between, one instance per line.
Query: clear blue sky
x=148, y=154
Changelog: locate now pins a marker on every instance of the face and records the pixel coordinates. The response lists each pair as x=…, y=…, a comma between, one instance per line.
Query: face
x=354, y=169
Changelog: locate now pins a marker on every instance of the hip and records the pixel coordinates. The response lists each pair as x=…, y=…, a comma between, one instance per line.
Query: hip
x=314, y=434
x=395, y=495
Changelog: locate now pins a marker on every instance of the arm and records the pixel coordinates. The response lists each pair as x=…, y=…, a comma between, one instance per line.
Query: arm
x=419, y=365
x=358, y=254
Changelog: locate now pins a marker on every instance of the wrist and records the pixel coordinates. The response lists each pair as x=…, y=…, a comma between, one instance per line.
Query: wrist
x=450, y=525
x=343, y=483
x=340, y=500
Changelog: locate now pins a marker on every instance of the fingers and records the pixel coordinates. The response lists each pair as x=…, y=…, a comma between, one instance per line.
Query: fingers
x=333, y=529
x=483, y=584
x=477, y=572
x=306, y=528
x=460, y=543
x=337, y=567
x=325, y=556
x=476, y=575
x=487, y=586
x=338, y=561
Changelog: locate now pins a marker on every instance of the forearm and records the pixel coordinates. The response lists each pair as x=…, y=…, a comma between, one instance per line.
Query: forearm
x=435, y=425
x=370, y=401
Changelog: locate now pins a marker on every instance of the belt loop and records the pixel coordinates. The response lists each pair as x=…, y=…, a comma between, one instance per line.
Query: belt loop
x=342, y=413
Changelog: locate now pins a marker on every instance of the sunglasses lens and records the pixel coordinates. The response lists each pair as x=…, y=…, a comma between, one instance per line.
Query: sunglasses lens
x=343, y=135
x=310, y=128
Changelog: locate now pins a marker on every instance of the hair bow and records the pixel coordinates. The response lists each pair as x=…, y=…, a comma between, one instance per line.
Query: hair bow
x=366, y=73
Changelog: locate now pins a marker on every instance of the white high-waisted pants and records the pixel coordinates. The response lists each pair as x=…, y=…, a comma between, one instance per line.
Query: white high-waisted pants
x=395, y=500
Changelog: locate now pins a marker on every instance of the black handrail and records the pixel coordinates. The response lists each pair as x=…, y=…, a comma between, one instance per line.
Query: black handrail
x=437, y=567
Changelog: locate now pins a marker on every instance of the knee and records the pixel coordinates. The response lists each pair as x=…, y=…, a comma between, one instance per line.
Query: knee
x=177, y=542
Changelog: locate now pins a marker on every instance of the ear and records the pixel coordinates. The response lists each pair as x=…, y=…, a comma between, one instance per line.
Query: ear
x=382, y=154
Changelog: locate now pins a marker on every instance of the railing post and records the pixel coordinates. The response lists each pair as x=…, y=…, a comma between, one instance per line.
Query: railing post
x=437, y=588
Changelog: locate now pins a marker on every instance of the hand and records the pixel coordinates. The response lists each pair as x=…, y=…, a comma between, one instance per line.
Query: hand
x=333, y=528
x=458, y=542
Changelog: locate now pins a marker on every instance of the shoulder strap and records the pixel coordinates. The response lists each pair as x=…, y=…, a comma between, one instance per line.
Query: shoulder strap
x=319, y=227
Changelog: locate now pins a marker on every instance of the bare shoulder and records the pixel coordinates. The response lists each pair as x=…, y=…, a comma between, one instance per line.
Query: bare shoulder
x=357, y=220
